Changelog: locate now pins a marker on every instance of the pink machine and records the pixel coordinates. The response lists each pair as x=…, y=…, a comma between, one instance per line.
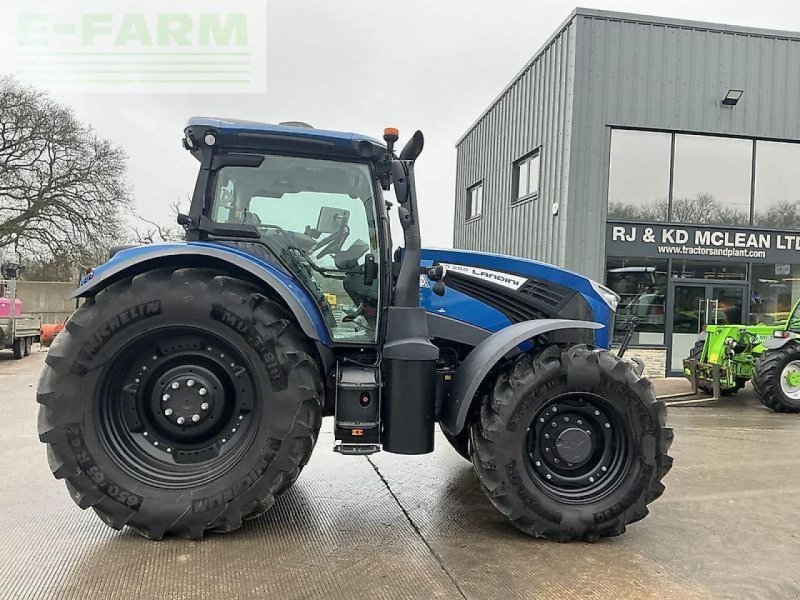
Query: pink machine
x=6, y=309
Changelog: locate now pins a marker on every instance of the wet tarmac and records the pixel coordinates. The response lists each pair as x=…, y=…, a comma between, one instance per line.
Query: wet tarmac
x=389, y=526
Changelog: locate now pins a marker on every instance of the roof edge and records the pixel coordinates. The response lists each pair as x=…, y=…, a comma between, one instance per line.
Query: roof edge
x=630, y=18
x=561, y=28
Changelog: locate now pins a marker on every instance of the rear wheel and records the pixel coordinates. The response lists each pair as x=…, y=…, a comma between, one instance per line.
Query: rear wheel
x=572, y=444
x=18, y=348
x=777, y=379
x=179, y=401
x=28, y=346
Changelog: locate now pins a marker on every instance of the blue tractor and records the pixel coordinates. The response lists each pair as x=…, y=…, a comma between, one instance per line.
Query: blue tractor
x=187, y=391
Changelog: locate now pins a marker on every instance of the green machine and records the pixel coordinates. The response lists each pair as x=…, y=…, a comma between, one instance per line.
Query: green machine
x=726, y=357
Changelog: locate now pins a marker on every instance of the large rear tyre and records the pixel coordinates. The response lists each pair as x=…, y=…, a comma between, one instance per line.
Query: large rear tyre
x=179, y=401
x=18, y=348
x=28, y=346
x=777, y=379
x=571, y=444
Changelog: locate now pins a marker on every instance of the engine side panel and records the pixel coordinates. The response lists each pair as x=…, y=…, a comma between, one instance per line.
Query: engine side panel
x=494, y=291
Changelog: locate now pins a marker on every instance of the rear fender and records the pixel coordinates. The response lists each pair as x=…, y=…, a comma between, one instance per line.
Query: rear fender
x=485, y=356
x=131, y=261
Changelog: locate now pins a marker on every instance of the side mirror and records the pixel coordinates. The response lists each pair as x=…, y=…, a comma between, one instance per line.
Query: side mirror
x=413, y=147
x=332, y=220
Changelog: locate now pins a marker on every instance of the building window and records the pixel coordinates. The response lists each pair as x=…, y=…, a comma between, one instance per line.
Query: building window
x=638, y=178
x=526, y=177
x=711, y=180
x=773, y=290
x=706, y=269
x=777, y=185
x=642, y=287
x=475, y=201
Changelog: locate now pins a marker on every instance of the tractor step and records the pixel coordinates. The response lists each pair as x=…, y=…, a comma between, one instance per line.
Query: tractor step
x=357, y=427
x=356, y=449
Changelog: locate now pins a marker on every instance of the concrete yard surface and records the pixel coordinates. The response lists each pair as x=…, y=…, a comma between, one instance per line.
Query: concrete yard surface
x=389, y=526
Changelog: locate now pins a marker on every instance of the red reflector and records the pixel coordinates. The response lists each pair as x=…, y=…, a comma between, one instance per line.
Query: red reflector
x=357, y=432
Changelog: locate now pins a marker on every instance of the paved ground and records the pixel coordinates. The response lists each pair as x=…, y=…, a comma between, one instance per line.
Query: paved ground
x=400, y=527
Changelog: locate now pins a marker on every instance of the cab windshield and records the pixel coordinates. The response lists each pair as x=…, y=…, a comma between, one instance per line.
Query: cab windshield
x=319, y=217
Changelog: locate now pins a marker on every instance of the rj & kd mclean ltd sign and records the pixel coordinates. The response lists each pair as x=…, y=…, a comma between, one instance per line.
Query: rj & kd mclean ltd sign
x=702, y=242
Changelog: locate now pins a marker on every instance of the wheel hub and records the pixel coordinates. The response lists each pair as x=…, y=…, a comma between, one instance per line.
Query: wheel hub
x=790, y=380
x=187, y=399
x=577, y=447
x=574, y=445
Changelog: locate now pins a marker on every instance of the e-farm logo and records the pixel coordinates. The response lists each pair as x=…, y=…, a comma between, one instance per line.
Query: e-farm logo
x=126, y=46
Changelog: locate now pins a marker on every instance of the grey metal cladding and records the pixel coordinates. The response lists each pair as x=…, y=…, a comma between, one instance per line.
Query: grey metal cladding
x=600, y=70
x=531, y=113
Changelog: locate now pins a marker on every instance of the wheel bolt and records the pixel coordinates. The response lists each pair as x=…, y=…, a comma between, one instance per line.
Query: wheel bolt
x=591, y=479
x=241, y=417
x=169, y=450
x=557, y=461
x=155, y=357
x=603, y=469
x=175, y=385
x=597, y=413
x=547, y=436
x=190, y=383
x=224, y=440
x=549, y=476
x=155, y=443
x=233, y=430
x=538, y=464
x=547, y=450
x=168, y=412
x=165, y=397
x=195, y=418
x=553, y=423
x=204, y=406
x=541, y=420
x=145, y=434
x=566, y=419
x=580, y=422
x=202, y=391
x=608, y=425
x=181, y=420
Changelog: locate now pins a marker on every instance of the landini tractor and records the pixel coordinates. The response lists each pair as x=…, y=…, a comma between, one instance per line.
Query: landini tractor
x=187, y=391
x=735, y=354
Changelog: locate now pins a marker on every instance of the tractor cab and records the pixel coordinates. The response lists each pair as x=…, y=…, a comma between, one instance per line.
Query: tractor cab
x=314, y=206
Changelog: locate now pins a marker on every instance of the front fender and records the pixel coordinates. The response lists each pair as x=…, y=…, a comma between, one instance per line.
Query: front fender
x=135, y=260
x=484, y=357
x=773, y=343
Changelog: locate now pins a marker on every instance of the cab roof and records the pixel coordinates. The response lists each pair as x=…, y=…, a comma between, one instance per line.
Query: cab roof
x=236, y=128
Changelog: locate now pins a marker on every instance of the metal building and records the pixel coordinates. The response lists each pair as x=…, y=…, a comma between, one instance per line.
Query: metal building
x=646, y=153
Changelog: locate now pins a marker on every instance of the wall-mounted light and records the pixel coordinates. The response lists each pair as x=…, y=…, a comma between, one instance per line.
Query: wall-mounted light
x=732, y=97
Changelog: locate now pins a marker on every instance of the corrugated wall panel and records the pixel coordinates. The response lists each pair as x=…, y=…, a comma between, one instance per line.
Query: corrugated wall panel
x=641, y=73
x=603, y=70
x=532, y=113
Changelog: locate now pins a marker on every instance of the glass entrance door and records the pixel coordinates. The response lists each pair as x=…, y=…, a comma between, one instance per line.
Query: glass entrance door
x=695, y=305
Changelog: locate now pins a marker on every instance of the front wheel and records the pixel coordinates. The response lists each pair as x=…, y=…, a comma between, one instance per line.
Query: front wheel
x=777, y=379
x=571, y=444
x=179, y=401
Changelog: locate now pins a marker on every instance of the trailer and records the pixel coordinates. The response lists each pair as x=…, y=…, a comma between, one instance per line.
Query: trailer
x=18, y=331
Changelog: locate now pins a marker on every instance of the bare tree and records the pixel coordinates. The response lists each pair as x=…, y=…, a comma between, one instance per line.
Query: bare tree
x=62, y=188
x=151, y=232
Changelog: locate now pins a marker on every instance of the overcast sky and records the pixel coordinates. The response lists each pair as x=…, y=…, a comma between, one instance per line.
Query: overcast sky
x=361, y=65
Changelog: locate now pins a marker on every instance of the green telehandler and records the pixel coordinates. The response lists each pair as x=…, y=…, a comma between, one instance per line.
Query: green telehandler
x=769, y=355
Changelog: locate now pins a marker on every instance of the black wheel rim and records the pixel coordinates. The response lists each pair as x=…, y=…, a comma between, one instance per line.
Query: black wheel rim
x=178, y=407
x=578, y=448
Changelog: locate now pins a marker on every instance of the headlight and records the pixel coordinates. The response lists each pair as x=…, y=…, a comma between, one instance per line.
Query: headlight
x=608, y=296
